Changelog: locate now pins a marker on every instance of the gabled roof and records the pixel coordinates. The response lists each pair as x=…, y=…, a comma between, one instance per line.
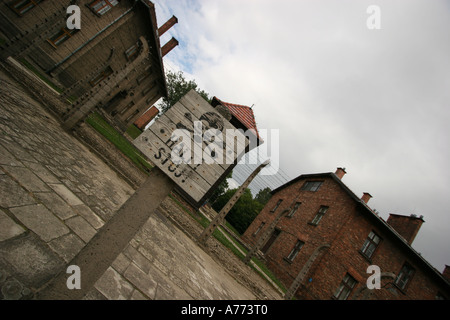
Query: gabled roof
x=243, y=114
x=365, y=209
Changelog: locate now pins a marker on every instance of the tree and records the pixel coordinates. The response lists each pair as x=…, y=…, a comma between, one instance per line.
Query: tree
x=177, y=87
x=243, y=212
x=264, y=195
x=221, y=188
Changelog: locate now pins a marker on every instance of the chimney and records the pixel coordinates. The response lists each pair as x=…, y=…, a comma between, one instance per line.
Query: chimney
x=340, y=172
x=366, y=197
x=406, y=226
x=166, y=26
x=172, y=43
x=446, y=272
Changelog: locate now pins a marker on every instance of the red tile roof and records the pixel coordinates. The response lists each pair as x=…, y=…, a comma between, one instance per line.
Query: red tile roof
x=242, y=113
x=145, y=119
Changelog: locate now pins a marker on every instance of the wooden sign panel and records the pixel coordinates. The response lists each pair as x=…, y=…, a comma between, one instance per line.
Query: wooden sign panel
x=193, y=144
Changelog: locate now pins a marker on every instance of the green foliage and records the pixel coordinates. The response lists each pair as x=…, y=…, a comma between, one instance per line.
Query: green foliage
x=133, y=131
x=221, y=188
x=243, y=212
x=264, y=196
x=177, y=87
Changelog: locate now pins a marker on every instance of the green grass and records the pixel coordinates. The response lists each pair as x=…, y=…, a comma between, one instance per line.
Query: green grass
x=128, y=149
x=133, y=131
x=30, y=67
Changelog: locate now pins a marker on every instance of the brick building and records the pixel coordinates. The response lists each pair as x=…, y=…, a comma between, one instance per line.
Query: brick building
x=113, y=62
x=319, y=238
x=145, y=119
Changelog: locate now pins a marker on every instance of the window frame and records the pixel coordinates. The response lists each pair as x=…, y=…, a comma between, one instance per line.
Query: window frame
x=131, y=116
x=102, y=75
x=276, y=206
x=345, y=287
x=312, y=185
x=27, y=5
x=293, y=210
x=61, y=36
x=369, y=243
x=401, y=275
x=259, y=229
x=132, y=52
x=108, y=5
x=319, y=215
x=294, y=251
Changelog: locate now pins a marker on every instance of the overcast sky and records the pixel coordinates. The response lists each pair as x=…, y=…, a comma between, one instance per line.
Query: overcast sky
x=373, y=101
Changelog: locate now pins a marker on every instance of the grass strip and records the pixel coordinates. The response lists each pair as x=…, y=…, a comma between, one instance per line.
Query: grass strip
x=103, y=127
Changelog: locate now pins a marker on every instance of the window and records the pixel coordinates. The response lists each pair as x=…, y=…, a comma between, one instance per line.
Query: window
x=404, y=276
x=22, y=6
x=132, y=115
x=311, y=185
x=259, y=228
x=61, y=36
x=132, y=52
x=370, y=244
x=101, y=76
x=319, y=215
x=277, y=205
x=295, y=251
x=143, y=76
x=100, y=7
x=345, y=288
x=294, y=210
x=149, y=88
x=127, y=107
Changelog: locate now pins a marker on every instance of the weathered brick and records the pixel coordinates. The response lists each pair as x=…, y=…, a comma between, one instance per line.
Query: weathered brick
x=345, y=227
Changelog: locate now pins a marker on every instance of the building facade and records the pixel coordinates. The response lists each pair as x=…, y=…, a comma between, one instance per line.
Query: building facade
x=113, y=62
x=319, y=239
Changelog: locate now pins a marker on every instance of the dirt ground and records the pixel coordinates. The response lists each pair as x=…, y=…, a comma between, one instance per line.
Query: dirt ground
x=244, y=274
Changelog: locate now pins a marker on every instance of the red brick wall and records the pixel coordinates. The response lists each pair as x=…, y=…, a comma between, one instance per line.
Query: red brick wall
x=407, y=227
x=345, y=226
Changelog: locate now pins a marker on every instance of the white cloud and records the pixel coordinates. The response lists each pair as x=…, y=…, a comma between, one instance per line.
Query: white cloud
x=373, y=101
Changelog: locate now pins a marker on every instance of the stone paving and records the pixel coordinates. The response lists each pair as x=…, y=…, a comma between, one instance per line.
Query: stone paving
x=54, y=197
